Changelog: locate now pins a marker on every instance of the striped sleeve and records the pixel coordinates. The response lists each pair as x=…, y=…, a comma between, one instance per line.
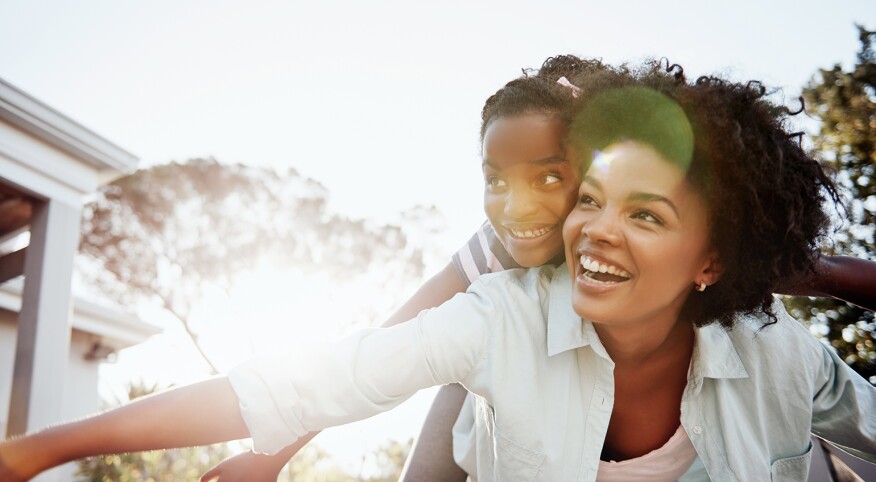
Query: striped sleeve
x=482, y=254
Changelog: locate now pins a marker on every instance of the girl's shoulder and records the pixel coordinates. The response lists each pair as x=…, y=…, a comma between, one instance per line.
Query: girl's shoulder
x=482, y=254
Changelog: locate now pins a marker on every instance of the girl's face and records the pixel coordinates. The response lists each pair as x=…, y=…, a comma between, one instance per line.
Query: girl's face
x=529, y=185
x=637, y=239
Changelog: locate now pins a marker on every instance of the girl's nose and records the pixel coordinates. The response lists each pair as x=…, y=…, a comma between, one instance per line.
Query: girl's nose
x=520, y=203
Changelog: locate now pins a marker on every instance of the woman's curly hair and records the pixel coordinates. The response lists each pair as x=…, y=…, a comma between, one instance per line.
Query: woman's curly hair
x=766, y=197
x=537, y=91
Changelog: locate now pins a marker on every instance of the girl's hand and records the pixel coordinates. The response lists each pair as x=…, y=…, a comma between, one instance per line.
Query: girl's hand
x=842, y=277
x=244, y=467
x=250, y=466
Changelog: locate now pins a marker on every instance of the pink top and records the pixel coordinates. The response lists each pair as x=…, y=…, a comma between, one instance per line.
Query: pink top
x=667, y=463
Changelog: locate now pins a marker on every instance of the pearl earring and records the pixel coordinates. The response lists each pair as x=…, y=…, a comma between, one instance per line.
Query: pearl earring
x=701, y=286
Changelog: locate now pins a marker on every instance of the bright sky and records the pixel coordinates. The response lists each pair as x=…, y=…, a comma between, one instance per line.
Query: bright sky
x=379, y=100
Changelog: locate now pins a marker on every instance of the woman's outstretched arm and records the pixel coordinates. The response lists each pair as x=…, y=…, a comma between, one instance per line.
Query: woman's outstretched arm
x=255, y=467
x=198, y=414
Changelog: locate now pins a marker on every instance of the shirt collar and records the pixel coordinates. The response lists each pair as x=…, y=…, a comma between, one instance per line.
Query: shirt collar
x=714, y=355
x=565, y=329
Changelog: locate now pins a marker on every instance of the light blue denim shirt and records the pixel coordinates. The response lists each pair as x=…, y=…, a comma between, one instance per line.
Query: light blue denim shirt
x=544, y=386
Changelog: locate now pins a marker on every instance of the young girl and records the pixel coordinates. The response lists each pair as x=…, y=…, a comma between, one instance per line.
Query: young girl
x=659, y=254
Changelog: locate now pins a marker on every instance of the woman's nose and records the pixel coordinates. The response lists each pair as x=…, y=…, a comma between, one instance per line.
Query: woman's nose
x=602, y=227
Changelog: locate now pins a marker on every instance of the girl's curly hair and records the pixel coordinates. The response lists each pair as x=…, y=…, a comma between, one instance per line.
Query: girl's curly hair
x=537, y=91
x=767, y=199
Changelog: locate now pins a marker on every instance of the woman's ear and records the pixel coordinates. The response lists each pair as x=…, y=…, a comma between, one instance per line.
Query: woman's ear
x=712, y=270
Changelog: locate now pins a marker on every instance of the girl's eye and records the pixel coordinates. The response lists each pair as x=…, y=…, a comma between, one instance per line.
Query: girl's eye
x=648, y=216
x=495, y=182
x=551, y=179
x=587, y=200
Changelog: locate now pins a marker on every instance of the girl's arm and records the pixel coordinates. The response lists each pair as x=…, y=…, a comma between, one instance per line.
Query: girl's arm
x=434, y=292
x=849, y=279
x=255, y=467
x=431, y=458
x=198, y=414
x=845, y=278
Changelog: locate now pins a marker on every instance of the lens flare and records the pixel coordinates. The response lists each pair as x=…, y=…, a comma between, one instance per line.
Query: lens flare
x=635, y=114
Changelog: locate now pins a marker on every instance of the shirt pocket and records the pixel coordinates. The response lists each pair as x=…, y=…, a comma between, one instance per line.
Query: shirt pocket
x=513, y=461
x=792, y=468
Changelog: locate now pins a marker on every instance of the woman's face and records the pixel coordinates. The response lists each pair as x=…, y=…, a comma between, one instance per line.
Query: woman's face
x=637, y=239
x=529, y=185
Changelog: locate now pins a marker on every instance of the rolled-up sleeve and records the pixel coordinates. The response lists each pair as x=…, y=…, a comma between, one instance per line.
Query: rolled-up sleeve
x=844, y=407
x=308, y=388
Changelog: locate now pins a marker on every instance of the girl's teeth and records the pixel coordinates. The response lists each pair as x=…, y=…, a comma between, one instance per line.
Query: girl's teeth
x=530, y=233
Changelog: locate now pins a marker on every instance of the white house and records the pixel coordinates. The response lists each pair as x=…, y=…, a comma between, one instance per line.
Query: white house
x=50, y=343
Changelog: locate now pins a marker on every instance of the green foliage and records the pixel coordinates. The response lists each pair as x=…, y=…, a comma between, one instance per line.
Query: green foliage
x=311, y=464
x=183, y=465
x=845, y=102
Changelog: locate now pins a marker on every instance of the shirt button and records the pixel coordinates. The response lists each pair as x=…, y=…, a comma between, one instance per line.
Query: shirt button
x=698, y=430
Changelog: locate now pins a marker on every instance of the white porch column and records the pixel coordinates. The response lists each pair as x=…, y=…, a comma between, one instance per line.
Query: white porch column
x=43, y=345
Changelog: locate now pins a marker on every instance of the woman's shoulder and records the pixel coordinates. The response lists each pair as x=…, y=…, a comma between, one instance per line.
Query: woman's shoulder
x=526, y=279
x=521, y=294
x=777, y=342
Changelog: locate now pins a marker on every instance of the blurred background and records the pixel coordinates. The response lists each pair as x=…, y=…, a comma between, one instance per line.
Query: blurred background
x=304, y=166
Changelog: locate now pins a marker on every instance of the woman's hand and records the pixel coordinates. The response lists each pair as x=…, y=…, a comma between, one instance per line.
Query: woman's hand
x=6, y=472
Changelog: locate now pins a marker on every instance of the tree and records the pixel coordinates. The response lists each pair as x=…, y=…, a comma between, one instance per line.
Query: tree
x=167, y=234
x=845, y=102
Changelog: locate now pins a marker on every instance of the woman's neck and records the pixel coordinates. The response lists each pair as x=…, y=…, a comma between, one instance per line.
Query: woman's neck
x=637, y=343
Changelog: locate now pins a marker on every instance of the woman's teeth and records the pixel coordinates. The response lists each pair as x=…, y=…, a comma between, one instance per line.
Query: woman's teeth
x=603, y=272
x=530, y=233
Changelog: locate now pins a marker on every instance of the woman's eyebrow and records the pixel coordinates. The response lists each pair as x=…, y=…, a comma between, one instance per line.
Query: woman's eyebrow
x=650, y=197
x=593, y=182
x=635, y=196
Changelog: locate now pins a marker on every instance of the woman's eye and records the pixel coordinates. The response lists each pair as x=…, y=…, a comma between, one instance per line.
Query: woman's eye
x=587, y=200
x=648, y=216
